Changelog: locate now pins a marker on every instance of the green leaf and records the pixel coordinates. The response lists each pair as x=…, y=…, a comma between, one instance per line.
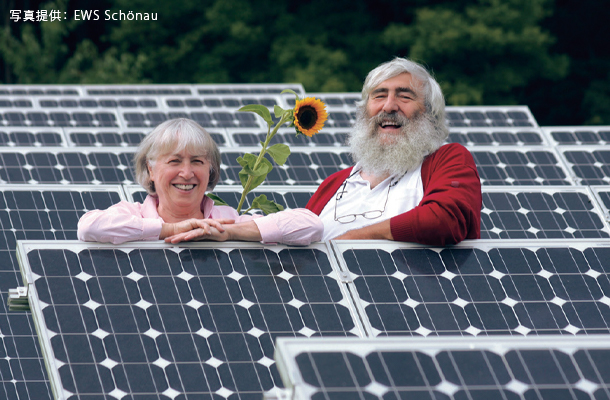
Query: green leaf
x=278, y=111
x=258, y=176
x=260, y=110
x=267, y=206
x=244, y=161
x=217, y=200
x=279, y=152
x=290, y=91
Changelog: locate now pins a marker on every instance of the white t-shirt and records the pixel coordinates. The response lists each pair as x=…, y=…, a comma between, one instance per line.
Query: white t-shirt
x=356, y=197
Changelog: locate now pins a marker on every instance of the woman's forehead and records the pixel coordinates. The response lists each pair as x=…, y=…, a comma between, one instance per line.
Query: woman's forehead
x=183, y=150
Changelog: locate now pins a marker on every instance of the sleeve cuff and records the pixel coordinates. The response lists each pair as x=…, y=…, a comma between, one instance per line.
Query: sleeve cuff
x=270, y=233
x=151, y=228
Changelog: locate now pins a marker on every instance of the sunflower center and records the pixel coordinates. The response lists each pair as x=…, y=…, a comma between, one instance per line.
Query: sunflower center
x=307, y=117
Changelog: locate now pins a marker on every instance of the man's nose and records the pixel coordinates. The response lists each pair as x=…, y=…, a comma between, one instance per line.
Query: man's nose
x=390, y=105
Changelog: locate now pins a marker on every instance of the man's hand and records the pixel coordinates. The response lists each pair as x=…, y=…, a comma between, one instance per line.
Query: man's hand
x=192, y=229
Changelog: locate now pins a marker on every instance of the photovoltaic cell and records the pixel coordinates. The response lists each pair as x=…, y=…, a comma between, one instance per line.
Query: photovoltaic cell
x=482, y=287
x=590, y=165
x=557, y=367
x=541, y=213
x=48, y=213
x=192, y=322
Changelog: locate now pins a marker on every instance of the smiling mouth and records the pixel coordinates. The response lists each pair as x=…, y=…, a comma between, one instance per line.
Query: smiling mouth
x=184, y=187
x=390, y=125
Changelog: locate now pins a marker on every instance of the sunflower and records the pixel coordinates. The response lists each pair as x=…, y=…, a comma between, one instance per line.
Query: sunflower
x=309, y=116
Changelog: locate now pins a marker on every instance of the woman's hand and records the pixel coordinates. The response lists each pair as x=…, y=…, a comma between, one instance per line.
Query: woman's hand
x=245, y=231
x=192, y=229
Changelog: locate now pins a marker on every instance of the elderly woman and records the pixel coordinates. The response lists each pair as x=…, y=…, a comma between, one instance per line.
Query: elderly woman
x=176, y=163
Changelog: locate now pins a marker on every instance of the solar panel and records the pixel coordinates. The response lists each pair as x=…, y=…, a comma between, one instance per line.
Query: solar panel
x=67, y=166
x=41, y=212
x=60, y=117
x=520, y=165
x=484, y=287
x=204, y=117
x=589, y=165
x=497, y=136
x=34, y=137
x=490, y=116
x=602, y=194
x=576, y=135
x=263, y=88
x=305, y=166
x=40, y=90
x=555, y=367
x=541, y=213
x=190, y=322
x=104, y=137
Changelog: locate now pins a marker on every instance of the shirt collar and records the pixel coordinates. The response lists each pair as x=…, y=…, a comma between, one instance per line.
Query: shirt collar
x=207, y=204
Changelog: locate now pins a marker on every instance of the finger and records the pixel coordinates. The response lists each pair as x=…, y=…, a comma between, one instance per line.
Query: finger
x=212, y=223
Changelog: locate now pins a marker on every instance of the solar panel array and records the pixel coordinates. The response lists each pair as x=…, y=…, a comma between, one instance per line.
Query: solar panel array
x=65, y=149
x=447, y=368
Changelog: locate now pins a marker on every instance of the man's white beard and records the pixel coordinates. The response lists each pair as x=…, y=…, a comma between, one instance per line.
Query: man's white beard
x=394, y=154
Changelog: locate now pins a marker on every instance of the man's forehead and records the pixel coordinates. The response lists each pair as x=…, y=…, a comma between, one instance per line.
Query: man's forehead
x=403, y=81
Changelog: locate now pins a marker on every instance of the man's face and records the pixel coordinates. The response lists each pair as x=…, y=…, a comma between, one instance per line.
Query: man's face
x=394, y=96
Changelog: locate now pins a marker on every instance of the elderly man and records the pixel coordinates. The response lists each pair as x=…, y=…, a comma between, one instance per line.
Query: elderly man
x=406, y=185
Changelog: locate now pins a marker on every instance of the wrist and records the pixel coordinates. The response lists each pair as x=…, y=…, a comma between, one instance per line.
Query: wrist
x=229, y=231
x=166, y=230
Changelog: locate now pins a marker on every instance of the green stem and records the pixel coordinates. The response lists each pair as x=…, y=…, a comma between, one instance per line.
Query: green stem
x=270, y=136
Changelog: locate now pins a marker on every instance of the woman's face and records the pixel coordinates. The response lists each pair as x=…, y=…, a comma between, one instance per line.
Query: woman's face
x=181, y=180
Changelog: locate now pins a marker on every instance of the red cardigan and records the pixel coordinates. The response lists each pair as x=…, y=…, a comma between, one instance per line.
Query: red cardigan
x=450, y=210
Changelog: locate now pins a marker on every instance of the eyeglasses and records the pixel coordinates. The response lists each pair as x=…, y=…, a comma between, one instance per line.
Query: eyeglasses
x=346, y=219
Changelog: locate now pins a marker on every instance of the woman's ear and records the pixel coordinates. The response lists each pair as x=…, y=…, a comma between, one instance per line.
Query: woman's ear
x=150, y=170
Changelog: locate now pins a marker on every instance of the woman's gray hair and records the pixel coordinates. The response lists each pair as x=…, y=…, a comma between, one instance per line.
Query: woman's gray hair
x=174, y=136
x=427, y=86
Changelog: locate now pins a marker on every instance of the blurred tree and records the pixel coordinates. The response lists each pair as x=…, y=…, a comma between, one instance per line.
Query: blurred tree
x=490, y=52
x=44, y=53
x=485, y=53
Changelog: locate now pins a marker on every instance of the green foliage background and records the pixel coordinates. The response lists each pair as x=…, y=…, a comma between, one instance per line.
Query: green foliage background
x=551, y=55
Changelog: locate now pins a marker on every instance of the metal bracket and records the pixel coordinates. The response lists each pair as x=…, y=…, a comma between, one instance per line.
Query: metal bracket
x=345, y=277
x=18, y=299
